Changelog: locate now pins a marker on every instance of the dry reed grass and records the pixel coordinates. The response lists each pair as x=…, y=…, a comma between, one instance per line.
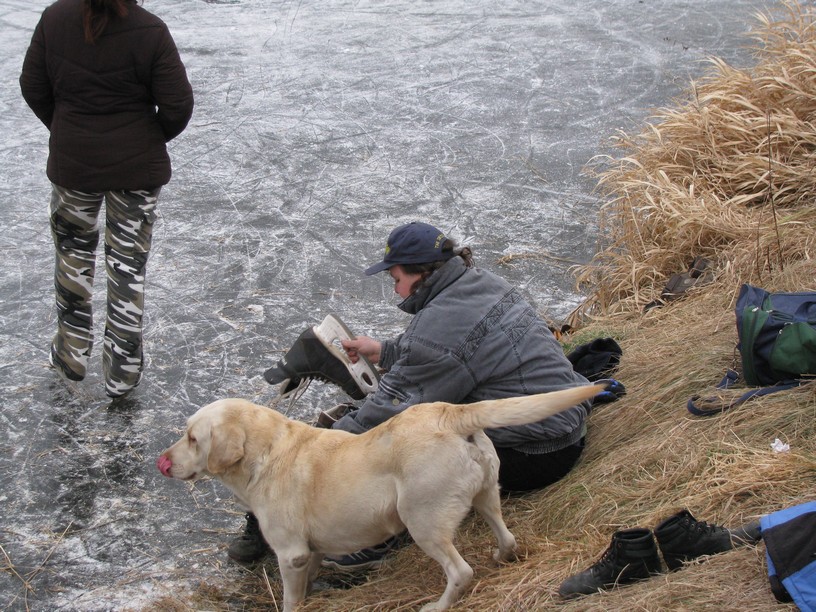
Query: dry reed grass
x=696, y=182
x=726, y=174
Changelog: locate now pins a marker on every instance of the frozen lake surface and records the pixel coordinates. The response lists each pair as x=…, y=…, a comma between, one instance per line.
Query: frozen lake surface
x=319, y=126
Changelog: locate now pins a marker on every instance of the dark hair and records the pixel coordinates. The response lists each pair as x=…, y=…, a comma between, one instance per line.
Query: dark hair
x=426, y=269
x=97, y=14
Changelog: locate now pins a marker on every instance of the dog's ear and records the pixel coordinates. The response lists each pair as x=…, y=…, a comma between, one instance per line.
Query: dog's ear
x=226, y=447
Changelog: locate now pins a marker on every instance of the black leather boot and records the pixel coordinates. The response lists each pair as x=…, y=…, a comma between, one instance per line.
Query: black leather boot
x=250, y=546
x=682, y=538
x=631, y=556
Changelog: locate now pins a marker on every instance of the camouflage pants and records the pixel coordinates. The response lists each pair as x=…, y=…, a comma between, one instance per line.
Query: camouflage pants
x=129, y=218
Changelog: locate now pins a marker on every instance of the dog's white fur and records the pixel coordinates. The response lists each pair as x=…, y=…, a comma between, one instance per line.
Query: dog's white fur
x=322, y=491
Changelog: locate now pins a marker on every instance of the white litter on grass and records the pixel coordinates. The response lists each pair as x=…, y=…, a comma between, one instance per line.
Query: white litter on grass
x=778, y=446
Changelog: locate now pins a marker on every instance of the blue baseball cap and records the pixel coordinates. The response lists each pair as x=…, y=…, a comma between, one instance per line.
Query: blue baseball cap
x=412, y=243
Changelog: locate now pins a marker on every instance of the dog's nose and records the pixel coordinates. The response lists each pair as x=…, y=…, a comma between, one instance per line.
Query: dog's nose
x=164, y=464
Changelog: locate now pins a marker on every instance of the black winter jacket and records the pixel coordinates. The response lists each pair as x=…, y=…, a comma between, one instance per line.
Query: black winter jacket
x=111, y=106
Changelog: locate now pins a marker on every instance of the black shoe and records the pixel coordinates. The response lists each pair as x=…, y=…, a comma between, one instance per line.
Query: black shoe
x=367, y=559
x=249, y=546
x=632, y=556
x=363, y=560
x=682, y=538
x=309, y=358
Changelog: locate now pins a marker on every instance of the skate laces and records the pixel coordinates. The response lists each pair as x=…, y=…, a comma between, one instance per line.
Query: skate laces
x=317, y=372
x=289, y=398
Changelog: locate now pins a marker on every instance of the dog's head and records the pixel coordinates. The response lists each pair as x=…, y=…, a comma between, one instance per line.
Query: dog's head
x=213, y=442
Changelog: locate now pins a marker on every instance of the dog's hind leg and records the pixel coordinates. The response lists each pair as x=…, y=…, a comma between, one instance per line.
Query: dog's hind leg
x=488, y=504
x=457, y=571
x=433, y=530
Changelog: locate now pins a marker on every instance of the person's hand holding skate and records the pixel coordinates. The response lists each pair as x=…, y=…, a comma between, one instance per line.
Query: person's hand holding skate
x=362, y=346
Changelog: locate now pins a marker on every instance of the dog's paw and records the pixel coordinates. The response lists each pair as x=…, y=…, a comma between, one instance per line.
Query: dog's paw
x=506, y=556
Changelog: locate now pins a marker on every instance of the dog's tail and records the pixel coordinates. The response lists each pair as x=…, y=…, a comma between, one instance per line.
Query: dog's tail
x=470, y=418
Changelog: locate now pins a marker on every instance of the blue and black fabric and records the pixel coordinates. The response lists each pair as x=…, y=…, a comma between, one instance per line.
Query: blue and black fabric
x=790, y=549
x=598, y=360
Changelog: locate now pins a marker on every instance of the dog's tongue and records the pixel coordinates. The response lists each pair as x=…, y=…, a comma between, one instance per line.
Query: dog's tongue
x=163, y=463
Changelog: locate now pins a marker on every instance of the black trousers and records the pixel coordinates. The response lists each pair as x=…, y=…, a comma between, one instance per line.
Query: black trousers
x=522, y=472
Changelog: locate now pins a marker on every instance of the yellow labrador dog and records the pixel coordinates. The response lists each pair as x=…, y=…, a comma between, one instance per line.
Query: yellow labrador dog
x=323, y=491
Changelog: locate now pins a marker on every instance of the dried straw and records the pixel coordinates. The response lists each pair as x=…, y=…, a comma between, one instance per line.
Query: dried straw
x=726, y=174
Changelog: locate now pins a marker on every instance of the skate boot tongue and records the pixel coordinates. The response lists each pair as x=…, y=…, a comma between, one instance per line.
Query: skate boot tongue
x=276, y=375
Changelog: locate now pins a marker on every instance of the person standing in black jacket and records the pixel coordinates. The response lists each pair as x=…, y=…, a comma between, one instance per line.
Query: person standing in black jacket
x=106, y=79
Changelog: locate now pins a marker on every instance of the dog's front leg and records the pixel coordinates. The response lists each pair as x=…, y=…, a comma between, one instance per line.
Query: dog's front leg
x=295, y=568
x=314, y=569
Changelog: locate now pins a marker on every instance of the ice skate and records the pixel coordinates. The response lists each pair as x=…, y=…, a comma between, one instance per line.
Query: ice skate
x=317, y=354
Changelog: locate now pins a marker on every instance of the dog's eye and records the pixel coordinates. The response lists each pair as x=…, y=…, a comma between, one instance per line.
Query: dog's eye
x=191, y=438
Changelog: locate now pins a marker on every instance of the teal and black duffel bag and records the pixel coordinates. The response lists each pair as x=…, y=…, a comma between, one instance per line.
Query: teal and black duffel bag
x=777, y=345
x=777, y=335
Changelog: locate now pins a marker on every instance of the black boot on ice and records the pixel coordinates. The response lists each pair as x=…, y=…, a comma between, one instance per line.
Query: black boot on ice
x=632, y=556
x=250, y=546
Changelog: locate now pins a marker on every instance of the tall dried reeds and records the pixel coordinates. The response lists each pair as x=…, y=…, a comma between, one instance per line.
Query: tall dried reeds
x=727, y=174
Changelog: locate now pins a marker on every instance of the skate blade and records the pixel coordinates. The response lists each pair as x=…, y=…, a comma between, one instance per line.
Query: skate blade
x=330, y=332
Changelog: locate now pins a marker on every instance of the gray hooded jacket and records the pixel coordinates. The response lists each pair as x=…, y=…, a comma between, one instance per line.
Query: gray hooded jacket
x=473, y=337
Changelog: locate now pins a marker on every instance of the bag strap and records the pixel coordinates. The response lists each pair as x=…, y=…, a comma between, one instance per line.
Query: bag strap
x=713, y=405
